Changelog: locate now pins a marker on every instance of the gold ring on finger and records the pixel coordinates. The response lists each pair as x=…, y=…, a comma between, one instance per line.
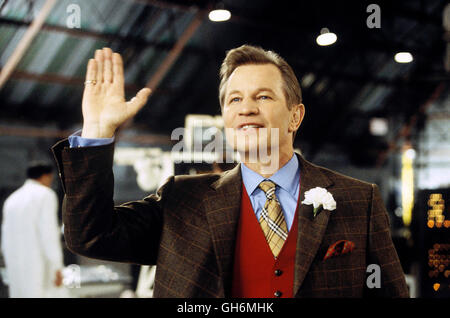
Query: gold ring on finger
x=93, y=82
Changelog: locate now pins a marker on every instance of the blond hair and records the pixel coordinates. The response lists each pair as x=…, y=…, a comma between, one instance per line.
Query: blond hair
x=248, y=54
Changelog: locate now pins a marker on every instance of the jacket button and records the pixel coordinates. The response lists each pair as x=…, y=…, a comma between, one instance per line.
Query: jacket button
x=278, y=272
x=277, y=293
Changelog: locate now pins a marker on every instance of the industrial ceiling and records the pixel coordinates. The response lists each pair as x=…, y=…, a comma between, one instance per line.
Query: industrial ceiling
x=344, y=85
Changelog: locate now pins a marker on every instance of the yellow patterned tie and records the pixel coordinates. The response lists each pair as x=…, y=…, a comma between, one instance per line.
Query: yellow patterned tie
x=272, y=219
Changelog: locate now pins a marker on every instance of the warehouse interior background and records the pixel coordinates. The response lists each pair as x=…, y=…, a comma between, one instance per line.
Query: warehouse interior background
x=369, y=114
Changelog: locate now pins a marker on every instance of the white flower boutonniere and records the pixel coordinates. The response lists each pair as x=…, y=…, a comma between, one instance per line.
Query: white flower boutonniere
x=319, y=197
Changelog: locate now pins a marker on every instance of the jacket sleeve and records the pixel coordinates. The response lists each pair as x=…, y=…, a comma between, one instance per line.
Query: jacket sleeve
x=93, y=226
x=382, y=254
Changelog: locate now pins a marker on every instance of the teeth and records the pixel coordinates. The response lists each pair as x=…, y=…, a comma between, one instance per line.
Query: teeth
x=250, y=126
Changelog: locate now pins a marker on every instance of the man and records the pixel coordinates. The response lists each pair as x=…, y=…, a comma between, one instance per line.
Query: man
x=248, y=232
x=31, y=237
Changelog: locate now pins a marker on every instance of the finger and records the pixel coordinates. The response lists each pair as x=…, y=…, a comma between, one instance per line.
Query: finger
x=99, y=60
x=137, y=102
x=91, y=72
x=107, y=66
x=117, y=69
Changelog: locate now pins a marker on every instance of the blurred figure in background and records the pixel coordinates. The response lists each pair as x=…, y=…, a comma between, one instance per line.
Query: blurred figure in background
x=31, y=237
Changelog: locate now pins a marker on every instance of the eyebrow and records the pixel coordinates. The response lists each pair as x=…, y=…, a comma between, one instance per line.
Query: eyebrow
x=259, y=90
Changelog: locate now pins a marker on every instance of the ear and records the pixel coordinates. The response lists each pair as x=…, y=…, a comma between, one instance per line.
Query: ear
x=296, y=118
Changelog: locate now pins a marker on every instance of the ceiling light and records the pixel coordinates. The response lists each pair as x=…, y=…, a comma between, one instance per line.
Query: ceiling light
x=403, y=57
x=219, y=15
x=378, y=126
x=326, y=37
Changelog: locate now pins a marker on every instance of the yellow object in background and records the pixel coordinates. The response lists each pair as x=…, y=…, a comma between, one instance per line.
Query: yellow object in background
x=407, y=185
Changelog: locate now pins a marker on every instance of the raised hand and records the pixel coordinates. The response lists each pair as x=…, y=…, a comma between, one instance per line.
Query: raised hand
x=104, y=106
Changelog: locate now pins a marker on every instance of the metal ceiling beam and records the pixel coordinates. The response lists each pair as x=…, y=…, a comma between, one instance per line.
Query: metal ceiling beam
x=176, y=50
x=25, y=42
x=168, y=5
x=170, y=59
x=373, y=44
x=76, y=81
x=98, y=35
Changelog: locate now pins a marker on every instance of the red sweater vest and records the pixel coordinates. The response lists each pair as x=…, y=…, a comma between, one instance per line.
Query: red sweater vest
x=256, y=273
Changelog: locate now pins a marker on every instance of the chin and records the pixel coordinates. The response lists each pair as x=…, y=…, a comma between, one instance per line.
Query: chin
x=254, y=145
x=262, y=153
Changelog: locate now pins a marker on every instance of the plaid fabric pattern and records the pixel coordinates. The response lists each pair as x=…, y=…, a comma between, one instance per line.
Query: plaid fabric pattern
x=272, y=219
x=188, y=229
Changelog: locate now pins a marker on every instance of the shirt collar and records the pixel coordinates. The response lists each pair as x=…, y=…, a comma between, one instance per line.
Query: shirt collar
x=32, y=181
x=287, y=177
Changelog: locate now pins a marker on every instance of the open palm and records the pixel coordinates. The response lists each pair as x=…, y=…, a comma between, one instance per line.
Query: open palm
x=104, y=106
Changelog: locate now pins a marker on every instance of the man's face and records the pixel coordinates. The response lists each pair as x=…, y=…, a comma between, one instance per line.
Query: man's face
x=255, y=108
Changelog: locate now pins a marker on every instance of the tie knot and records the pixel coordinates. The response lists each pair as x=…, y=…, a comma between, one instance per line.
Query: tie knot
x=269, y=188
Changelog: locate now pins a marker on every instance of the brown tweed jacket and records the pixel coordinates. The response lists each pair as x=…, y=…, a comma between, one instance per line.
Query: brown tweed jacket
x=188, y=229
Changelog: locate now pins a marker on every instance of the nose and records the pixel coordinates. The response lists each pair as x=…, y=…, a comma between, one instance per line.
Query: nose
x=248, y=107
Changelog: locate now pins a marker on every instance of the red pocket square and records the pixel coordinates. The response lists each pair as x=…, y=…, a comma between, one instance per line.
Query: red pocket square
x=339, y=248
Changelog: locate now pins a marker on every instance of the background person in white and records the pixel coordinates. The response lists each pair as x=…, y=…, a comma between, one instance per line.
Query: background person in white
x=30, y=242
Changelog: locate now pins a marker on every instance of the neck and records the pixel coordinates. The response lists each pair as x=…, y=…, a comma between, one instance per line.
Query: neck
x=267, y=168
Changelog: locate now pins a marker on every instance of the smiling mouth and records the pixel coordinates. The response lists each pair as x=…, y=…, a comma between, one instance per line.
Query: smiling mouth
x=249, y=126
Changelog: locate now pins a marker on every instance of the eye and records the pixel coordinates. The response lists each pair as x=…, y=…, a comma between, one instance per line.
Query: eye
x=234, y=99
x=264, y=97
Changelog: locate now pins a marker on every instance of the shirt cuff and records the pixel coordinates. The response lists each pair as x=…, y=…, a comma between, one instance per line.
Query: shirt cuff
x=76, y=141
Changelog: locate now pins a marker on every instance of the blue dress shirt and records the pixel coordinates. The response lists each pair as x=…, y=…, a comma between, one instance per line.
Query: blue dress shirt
x=75, y=140
x=287, y=180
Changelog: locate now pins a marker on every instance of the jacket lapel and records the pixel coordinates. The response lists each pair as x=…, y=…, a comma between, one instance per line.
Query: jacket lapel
x=222, y=207
x=310, y=229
